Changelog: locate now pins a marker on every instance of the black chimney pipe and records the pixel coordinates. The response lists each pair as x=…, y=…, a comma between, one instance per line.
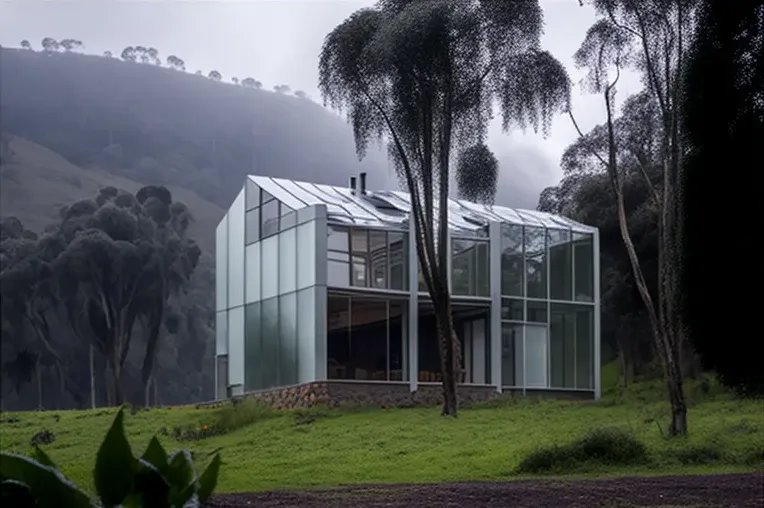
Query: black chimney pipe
x=352, y=185
x=363, y=183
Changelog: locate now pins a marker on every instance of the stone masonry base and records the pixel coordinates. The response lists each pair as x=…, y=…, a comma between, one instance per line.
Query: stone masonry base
x=384, y=395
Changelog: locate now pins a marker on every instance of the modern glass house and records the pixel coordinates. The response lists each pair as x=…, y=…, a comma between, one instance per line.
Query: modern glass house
x=315, y=283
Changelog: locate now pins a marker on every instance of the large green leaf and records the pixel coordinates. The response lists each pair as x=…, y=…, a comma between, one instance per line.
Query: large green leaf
x=209, y=479
x=48, y=486
x=181, y=476
x=115, y=465
x=156, y=455
x=42, y=457
x=150, y=489
x=16, y=494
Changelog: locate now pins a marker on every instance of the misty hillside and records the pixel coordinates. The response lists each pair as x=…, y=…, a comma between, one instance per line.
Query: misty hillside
x=103, y=121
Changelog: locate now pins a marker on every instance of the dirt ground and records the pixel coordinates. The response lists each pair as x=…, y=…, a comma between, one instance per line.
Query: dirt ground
x=729, y=490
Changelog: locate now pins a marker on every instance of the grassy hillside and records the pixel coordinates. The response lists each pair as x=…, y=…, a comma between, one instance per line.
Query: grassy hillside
x=37, y=182
x=100, y=120
x=330, y=447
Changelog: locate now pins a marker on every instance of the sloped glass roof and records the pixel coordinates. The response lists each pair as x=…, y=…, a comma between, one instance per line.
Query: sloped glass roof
x=390, y=209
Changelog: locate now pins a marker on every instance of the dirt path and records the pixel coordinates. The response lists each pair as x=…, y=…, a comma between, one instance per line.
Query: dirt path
x=730, y=490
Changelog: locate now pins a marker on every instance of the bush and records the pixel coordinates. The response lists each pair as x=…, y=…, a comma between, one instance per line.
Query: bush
x=695, y=454
x=608, y=447
x=120, y=479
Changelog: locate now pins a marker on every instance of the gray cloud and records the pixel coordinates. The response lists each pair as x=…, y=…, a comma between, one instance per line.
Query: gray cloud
x=279, y=42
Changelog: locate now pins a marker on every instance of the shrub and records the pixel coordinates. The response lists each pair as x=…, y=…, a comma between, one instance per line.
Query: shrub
x=43, y=437
x=227, y=419
x=120, y=479
x=695, y=454
x=609, y=447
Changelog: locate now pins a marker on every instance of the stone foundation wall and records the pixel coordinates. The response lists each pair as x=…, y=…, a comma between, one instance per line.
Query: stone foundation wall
x=343, y=394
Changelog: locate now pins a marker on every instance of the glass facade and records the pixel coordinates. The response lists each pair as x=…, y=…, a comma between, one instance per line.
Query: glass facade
x=313, y=283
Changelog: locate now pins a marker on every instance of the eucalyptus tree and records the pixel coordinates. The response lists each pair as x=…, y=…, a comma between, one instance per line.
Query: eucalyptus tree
x=651, y=36
x=425, y=76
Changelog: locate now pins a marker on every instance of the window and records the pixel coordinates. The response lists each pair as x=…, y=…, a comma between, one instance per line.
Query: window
x=583, y=271
x=338, y=244
x=536, y=312
x=359, y=242
x=535, y=262
x=378, y=257
x=560, y=265
x=253, y=367
x=469, y=268
x=511, y=310
x=511, y=260
x=511, y=354
x=398, y=250
x=270, y=218
x=252, y=226
x=253, y=195
x=270, y=342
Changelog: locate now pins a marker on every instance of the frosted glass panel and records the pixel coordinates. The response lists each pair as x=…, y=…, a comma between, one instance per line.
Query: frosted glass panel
x=306, y=255
x=236, y=252
x=269, y=322
x=221, y=265
x=221, y=333
x=536, y=357
x=253, y=358
x=288, y=261
x=236, y=346
x=306, y=335
x=252, y=286
x=270, y=267
x=288, y=359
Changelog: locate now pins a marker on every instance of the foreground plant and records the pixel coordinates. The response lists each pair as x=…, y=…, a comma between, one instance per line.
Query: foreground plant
x=155, y=479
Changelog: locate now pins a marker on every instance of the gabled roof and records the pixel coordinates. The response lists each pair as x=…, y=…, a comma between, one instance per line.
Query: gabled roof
x=390, y=209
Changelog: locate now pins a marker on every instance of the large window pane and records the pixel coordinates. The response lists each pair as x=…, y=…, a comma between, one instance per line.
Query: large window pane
x=338, y=337
x=482, y=270
x=338, y=254
x=511, y=310
x=221, y=333
x=584, y=267
x=236, y=346
x=288, y=261
x=470, y=268
x=270, y=336
x=306, y=335
x=560, y=264
x=398, y=260
x=535, y=262
x=562, y=346
x=253, y=194
x=398, y=342
x=368, y=340
x=270, y=267
x=511, y=260
x=584, y=348
x=306, y=255
x=270, y=218
x=536, y=312
x=236, y=252
x=536, y=357
x=378, y=259
x=252, y=226
x=359, y=242
x=253, y=359
x=221, y=265
x=511, y=343
x=288, y=340
x=338, y=239
x=252, y=272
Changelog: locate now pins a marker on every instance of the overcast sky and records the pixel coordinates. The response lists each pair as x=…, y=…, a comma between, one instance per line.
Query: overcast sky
x=278, y=41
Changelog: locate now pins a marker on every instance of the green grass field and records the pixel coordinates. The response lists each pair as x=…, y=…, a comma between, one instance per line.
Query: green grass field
x=323, y=447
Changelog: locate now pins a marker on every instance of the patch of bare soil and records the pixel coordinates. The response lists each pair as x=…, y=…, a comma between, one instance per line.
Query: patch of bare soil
x=722, y=491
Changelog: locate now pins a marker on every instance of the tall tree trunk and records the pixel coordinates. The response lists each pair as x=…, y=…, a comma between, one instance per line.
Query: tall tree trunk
x=446, y=340
x=39, y=384
x=116, y=372
x=147, y=392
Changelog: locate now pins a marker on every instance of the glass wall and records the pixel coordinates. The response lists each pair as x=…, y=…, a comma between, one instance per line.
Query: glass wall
x=366, y=258
x=365, y=339
x=470, y=267
x=266, y=294
x=542, y=269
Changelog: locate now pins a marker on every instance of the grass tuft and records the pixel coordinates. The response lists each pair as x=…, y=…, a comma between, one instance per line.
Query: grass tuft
x=600, y=447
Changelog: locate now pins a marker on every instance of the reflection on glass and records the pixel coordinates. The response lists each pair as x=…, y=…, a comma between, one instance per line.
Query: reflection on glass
x=338, y=337
x=338, y=268
x=511, y=310
x=584, y=348
x=252, y=226
x=360, y=272
x=470, y=268
x=338, y=239
x=288, y=359
x=511, y=354
x=560, y=264
x=562, y=337
x=398, y=260
x=270, y=342
x=252, y=349
x=378, y=258
x=583, y=253
x=535, y=262
x=306, y=334
x=511, y=260
x=536, y=312
x=270, y=218
x=398, y=343
x=269, y=273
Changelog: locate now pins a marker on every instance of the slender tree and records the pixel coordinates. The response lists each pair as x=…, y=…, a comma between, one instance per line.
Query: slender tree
x=425, y=75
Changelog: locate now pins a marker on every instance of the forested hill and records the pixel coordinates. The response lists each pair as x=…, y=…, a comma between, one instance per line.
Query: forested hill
x=158, y=125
